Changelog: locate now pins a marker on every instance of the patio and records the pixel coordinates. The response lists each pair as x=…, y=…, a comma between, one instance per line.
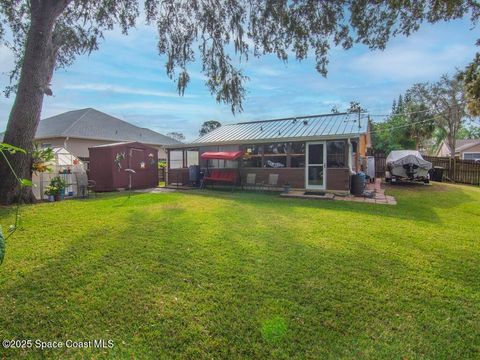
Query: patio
x=376, y=188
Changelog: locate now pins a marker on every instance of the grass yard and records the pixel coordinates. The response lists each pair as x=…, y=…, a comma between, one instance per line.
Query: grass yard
x=217, y=275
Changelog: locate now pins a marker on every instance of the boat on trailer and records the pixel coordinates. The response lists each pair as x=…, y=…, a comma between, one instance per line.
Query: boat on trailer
x=407, y=165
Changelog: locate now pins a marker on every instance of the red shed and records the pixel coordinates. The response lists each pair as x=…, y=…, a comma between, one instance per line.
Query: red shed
x=108, y=164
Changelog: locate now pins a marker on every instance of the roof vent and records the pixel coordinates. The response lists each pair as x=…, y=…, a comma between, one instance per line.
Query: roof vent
x=261, y=128
x=305, y=122
x=279, y=132
x=294, y=120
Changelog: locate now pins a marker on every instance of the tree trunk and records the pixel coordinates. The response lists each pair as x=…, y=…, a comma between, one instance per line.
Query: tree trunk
x=37, y=70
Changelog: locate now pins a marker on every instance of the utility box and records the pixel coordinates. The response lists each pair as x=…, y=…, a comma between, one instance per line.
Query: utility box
x=371, y=167
x=108, y=165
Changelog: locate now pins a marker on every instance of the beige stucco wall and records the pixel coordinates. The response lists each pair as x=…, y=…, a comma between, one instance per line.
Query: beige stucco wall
x=79, y=147
x=443, y=150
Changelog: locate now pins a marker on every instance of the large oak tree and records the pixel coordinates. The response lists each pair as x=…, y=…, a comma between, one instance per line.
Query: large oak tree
x=48, y=34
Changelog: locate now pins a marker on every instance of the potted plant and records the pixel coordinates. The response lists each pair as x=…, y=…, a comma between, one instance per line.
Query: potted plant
x=286, y=188
x=42, y=159
x=56, y=188
x=50, y=191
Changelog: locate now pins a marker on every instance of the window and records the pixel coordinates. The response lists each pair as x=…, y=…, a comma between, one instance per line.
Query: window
x=176, y=159
x=336, y=154
x=192, y=157
x=275, y=155
x=253, y=150
x=253, y=155
x=297, y=155
x=275, y=161
x=276, y=149
x=471, y=156
x=297, y=161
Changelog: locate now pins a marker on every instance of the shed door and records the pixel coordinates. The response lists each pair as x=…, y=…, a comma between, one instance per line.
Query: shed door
x=315, y=174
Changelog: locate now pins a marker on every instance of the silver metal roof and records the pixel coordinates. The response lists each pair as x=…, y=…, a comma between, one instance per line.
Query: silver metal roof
x=315, y=127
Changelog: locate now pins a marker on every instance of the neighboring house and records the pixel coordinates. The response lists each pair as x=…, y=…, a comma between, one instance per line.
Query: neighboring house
x=78, y=130
x=310, y=152
x=464, y=149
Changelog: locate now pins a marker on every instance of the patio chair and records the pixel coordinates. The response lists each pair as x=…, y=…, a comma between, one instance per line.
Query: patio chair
x=250, y=181
x=272, y=182
x=85, y=186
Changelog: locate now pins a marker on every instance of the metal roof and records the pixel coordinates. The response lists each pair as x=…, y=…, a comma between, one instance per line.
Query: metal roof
x=315, y=127
x=93, y=124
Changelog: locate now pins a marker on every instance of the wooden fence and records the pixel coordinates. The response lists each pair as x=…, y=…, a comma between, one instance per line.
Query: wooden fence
x=455, y=170
x=380, y=164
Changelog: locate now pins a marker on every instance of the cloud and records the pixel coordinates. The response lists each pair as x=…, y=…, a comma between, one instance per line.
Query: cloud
x=122, y=90
x=149, y=107
x=268, y=71
x=408, y=62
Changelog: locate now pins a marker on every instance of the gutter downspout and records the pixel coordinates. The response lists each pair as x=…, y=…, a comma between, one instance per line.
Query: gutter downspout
x=350, y=154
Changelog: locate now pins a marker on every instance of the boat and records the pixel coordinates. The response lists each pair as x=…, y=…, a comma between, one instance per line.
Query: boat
x=407, y=165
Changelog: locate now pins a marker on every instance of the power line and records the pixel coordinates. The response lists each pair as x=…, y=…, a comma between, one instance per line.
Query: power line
x=407, y=113
x=405, y=125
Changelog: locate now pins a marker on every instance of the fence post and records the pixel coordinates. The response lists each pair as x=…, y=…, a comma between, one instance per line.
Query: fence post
x=454, y=169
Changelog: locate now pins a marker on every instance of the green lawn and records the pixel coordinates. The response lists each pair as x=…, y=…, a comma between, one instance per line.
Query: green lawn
x=217, y=275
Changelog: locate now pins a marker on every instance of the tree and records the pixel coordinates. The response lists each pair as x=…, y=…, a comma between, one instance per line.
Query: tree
x=392, y=134
x=48, y=34
x=394, y=106
x=208, y=126
x=355, y=107
x=176, y=135
x=446, y=101
x=407, y=128
x=471, y=80
x=399, y=108
x=334, y=110
x=471, y=131
x=420, y=122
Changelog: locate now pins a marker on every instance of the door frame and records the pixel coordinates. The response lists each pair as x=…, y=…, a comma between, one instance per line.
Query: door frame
x=307, y=165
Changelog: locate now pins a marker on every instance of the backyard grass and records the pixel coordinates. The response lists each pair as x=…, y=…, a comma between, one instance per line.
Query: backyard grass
x=218, y=275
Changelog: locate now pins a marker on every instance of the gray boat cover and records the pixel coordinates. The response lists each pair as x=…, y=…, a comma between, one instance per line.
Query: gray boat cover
x=403, y=157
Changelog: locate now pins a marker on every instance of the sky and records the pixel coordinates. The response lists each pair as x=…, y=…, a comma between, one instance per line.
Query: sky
x=126, y=78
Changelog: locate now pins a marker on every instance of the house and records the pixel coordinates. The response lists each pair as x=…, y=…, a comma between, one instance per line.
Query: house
x=316, y=152
x=468, y=149
x=78, y=130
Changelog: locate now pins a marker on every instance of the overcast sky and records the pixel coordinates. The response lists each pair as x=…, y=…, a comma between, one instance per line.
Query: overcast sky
x=126, y=78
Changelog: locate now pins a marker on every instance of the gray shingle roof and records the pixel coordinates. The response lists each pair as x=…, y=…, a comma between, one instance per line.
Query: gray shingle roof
x=93, y=124
x=305, y=127
x=465, y=144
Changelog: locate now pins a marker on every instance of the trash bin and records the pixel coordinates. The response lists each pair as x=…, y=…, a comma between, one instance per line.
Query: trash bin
x=357, y=184
x=437, y=173
x=194, y=175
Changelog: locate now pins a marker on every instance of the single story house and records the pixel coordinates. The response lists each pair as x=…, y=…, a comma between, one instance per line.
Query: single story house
x=316, y=152
x=78, y=130
x=468, y=149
